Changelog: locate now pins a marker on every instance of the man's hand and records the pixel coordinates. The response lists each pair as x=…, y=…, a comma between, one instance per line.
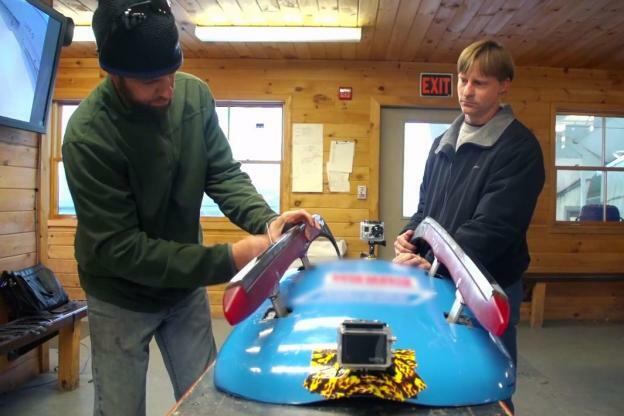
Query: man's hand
x=411, y=259
x=402, y=243
x=276, y=228
x=249, y=247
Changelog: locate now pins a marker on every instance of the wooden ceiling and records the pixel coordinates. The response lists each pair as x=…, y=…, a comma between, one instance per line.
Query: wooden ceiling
x=556, y=33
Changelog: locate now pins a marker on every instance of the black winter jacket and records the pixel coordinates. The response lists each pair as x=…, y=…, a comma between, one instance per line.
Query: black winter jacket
x=484, y=195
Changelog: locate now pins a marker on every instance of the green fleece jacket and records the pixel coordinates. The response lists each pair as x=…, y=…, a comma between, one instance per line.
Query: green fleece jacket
x=137, y=183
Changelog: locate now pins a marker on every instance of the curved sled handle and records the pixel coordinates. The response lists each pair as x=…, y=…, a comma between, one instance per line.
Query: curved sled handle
x=479, y=290
x=259, y=278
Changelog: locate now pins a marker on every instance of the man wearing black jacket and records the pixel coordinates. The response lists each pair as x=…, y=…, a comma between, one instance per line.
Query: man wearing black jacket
x=482, y=178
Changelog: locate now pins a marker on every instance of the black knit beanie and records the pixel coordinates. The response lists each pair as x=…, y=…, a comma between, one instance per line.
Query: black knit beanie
x=148, y=47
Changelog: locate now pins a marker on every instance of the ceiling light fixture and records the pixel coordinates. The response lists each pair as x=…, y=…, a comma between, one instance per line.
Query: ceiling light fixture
x=278, y=34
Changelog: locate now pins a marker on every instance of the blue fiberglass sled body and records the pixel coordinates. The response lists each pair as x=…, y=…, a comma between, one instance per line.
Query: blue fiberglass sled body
x=291, y=359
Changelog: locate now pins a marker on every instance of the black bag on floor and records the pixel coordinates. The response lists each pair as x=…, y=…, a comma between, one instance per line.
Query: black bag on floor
x=31, y=291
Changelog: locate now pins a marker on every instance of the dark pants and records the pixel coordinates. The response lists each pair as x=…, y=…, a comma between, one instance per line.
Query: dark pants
x=514, y=293
x=509, y=338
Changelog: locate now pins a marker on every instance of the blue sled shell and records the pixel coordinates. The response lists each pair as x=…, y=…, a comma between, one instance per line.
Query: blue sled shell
x=268, y=360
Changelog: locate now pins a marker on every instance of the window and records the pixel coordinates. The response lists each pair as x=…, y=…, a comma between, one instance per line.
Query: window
x=255, y=133
x=65, y=204
x=418, y=140
x=589, y=164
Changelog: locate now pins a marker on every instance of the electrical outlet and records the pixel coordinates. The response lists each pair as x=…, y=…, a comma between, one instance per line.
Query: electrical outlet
x=361, y=192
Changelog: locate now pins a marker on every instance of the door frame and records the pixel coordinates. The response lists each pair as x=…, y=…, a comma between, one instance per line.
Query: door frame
x=376, y=102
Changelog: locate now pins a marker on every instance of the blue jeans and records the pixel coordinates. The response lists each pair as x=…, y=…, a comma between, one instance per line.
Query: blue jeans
x=120, y=350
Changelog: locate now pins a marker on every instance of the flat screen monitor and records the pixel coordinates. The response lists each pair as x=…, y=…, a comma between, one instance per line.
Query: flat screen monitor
x=31, y=35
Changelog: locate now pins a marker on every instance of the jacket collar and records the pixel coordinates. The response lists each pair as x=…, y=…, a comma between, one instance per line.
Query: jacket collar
x=486, y=136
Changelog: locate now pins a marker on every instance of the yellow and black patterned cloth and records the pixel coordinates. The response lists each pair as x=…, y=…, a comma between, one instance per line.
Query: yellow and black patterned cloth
x=398, y=382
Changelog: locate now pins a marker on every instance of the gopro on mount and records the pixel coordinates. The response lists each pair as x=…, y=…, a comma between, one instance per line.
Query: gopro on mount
x=373, y=233
x=365, y=345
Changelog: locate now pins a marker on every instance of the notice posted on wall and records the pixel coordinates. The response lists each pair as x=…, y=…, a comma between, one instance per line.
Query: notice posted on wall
x=340, y=165
x=307, y=157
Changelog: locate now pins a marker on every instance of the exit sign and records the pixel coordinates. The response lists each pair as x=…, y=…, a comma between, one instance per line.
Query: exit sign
x=436, y=85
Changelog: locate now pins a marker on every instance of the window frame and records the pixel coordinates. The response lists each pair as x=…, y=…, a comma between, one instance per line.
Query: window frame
x=590, y=109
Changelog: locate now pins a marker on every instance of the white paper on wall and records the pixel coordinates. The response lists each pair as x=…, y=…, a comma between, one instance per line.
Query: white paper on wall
x=340, y=165
x=341, y=154
x=307, y=157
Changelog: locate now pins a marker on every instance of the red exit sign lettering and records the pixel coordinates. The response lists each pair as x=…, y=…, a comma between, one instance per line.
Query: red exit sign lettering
x=436, y=85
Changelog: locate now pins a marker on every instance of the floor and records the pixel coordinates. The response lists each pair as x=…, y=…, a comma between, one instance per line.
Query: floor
x=564, y=368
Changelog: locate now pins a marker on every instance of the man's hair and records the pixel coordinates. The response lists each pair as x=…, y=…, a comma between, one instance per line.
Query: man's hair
x=493, y=59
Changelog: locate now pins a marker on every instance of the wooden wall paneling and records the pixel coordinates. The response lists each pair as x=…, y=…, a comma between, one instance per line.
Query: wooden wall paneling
x=63, y=237
x=302, y=50
x=270, y=6
x=561, y=27
x=588, y=301
x=17, y=222
x=386, y=17
x=539, y=33
x=18, y=243
x=348, y=16
x=63, y=265
x=435, y=32
x=19, y=261
x=18, y=184
x=312, y=88
x=503, y=16
x=523, y=23
x=250, y=8
x=308, y=10
x=16, y=155
x=17, y=199
x=328, y=12
x=193, y=8
x=599, y=26
x=451, y=42
x=367, y=19
x=13, y=136
x=348, y=12
x=17, y=177
x=398, y=38
x=478, y=23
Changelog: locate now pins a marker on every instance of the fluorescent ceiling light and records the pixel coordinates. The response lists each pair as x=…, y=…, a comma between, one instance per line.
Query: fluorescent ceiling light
x=277, y=34
x=83, y=34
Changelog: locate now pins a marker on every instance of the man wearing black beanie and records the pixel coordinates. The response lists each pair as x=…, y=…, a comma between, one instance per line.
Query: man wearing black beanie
x=139, y=154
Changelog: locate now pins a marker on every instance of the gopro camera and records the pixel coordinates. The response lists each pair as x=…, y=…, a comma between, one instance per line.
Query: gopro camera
x=372, y=231
x=365, y=345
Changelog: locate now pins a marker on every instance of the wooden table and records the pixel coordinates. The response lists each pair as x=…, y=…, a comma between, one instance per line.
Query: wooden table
x=203, y=398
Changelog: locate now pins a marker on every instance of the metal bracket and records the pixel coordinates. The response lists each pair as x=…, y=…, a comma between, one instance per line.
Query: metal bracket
x=434, y=267
x=456, y=309
x=278, y=305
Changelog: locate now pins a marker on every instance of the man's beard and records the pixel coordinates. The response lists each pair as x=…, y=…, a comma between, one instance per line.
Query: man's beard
x=139, y=107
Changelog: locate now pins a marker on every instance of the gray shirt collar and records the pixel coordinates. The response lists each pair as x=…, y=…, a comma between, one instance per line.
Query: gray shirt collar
x=486, y=136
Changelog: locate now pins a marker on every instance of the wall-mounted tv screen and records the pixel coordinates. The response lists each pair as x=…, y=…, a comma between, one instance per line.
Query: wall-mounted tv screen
x=31, y=35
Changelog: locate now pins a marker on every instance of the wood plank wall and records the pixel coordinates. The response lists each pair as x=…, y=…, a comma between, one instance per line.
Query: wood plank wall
x=309, y=90
x=18, y=230
x=18, y=189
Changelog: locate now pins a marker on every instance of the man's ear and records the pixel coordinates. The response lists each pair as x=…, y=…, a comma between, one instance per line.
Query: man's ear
x=504, y=87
